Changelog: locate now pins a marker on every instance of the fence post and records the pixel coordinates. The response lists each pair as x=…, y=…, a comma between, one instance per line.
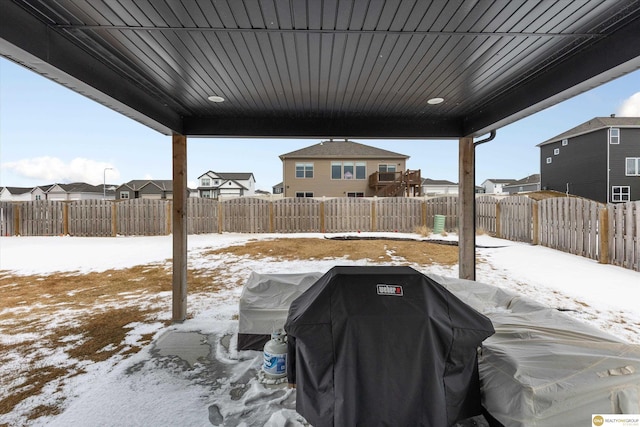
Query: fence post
x=16, y=218
x=220, y=220
x=535, y=223
x=373, y=215
x=498, y=228
x=65, y=218
x=322, y=216
x=114, y=219
x=603, y=234
x=168, y=211
x=423, y=214
x=271, y=217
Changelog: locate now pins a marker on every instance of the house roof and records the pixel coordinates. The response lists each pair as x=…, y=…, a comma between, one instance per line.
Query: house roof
x=429, y=181
x=343, y=149
x=593, y=125
x=352, y=68
x=239, y=176
x=500, y=181
x=137, y=184
x=18, y=190
x=78, y=187
x=531, y=179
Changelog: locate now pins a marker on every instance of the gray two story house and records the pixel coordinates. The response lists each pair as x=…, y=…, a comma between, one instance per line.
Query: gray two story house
x=599, y=160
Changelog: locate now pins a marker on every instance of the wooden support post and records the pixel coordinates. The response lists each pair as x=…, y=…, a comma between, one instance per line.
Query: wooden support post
x=322, y=217
x=220, y=217
x=423, y=215
x=168, y=214
x=498, y=226
x=467, y=210
x=603, y=234
x=179, y=145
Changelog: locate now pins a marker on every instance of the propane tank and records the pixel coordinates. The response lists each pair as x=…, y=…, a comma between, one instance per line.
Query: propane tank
x=275, y=355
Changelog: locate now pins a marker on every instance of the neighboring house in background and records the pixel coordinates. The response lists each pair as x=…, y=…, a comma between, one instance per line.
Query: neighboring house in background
x=17, y=194
x=78, y=191
x=598, y=160
x=434, y=187
x=524, y=185
x=214, y=185
x=495, y=186
x=278, y=188
x=145, y=189
x=346, y=169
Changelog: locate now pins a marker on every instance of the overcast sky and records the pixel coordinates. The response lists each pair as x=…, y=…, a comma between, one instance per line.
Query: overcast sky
x=50, y=134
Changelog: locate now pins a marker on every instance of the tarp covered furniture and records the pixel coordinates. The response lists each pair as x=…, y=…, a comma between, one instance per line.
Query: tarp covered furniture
x=383, y=345
x=544, y=368
x=264, y=304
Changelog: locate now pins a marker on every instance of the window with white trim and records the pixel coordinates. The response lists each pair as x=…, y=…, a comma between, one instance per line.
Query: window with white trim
x=124, y=194
x=614, y=136
x=304, y=194
x=556, y=151
x=304, y=170
x=549, y=160
x=620, y=193
x=348, y=170
x=355, y=194
x=386, y=168
x=565, y=142
x=205, y=182
x=633, y=166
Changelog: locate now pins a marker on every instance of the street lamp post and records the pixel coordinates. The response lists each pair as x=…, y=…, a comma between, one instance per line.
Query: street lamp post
x=104, y=182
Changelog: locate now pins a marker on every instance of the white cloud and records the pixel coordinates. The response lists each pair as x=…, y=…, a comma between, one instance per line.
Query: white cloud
x=630, y=107
x=54, y=170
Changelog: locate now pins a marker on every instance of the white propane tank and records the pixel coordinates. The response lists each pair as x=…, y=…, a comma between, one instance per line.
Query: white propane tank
x=275, y=355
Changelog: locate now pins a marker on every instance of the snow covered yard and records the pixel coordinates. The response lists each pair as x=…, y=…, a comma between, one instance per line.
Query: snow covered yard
x=87, y=344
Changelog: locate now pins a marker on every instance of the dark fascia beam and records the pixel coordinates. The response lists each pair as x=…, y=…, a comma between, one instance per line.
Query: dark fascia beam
x=356, y=127
x=31, y=43
x=606, y=59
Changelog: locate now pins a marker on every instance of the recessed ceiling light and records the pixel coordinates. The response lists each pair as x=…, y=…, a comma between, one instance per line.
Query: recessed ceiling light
x=215, y=98
x=434, y=101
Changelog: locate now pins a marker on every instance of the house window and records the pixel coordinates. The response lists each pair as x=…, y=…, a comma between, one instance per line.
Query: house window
x=549, y=160
x=304, y=170
x=205, y=182
x=633, y=166
x=216, y=182
x=614, y=136
x=620, y=193
x=124, y=194
x=386, y=168
x=38, y=197
x=304, y=194
x=565, y=142
x=348, y=170
x=355, y=194
x=556, y=151
x=206, y=194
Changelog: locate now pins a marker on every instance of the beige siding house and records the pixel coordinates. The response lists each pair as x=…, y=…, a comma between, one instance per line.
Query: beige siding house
x=342, y=169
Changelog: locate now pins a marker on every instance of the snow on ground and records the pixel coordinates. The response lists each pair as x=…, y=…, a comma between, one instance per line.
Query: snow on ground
x=146, y=390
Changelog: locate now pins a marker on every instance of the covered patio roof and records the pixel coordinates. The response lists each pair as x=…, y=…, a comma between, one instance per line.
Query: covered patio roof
x=332, y=68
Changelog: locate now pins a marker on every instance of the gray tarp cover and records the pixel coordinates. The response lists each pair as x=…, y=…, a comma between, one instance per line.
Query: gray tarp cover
x=544, y=368
x=371, y=346
x=264, y=304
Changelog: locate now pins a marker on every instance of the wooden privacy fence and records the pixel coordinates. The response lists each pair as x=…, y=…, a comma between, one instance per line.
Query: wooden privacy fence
x=608, y=233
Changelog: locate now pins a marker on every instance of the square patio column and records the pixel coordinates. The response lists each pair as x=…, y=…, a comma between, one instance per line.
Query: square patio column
x=179, y=227
x=467, y=209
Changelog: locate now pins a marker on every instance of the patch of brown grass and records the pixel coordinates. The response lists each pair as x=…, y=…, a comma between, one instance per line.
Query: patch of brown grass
x=375, y=250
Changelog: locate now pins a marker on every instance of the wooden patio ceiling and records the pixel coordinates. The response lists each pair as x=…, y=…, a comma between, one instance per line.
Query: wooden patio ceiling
x=330, y=68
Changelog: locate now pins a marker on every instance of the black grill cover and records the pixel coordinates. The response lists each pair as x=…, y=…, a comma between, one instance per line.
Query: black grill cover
x=383, y=346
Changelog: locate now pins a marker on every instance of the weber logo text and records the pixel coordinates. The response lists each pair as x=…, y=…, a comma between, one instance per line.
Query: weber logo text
x=395, y=290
